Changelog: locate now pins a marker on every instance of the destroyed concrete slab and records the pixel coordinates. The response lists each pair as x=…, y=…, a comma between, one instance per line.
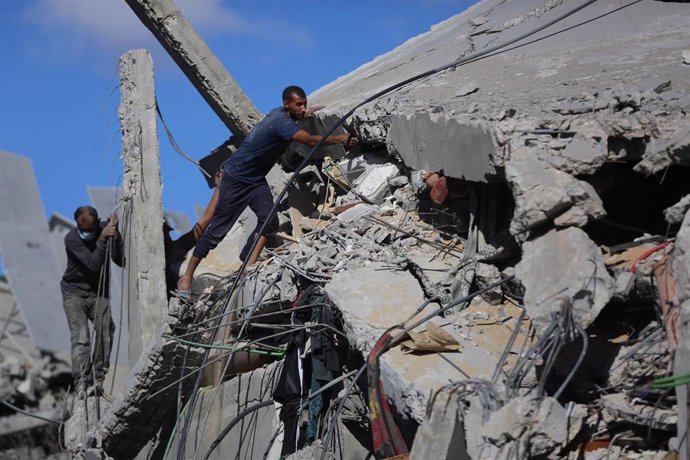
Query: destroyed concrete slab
x=461, y=147
x=543, y=193
x=580, y=156
x=21, y=201
x=29, y=255
x=356, y=212
x=368, y=310
x=30, y=267
x=441, y=436
x=576, y=278
x=382, y=298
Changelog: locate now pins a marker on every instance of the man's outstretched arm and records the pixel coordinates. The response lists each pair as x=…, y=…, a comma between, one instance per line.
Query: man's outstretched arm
x=313, y=139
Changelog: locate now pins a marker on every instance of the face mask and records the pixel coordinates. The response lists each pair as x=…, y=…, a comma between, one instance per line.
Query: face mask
x=86, y=236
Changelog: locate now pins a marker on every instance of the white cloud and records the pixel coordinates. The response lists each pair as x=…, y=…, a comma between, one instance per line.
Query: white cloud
x=77, y=26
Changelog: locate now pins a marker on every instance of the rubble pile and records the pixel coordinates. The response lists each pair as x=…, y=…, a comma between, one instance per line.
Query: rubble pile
x=38, y=388
x=499, y=270
x=552, y=363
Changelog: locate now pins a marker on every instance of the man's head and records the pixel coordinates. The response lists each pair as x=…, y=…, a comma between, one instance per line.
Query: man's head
x=295, y=102
x=87, y=222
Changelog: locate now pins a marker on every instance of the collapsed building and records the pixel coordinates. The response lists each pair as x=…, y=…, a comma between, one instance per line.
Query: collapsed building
x=499, y=270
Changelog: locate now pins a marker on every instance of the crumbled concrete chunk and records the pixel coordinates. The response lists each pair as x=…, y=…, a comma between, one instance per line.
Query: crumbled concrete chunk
x=541, y=424
x=674, y=214
x=564, y=268
x=373, y=185
x=542, y=193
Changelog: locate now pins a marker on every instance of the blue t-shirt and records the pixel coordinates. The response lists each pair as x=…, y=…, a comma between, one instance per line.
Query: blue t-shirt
x=263, y=147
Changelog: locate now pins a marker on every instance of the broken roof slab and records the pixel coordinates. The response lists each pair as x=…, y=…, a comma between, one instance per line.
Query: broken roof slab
x=575, y=75
x=28, y=253
x=375, y=298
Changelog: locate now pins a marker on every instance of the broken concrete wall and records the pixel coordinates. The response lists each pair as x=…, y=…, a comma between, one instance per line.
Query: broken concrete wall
x=143, y=210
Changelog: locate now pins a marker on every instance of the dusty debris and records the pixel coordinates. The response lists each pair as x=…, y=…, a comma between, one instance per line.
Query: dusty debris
x=510, y=357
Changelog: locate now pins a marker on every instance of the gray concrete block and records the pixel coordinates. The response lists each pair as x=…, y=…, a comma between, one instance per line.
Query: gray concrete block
x=543, y=193
x=464, y=149
x=539, y=425
x=564, y=268
x=441, y=436
x=137, y=412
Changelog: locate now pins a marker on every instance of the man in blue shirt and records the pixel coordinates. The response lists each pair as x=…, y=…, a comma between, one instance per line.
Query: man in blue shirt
x=244, y=178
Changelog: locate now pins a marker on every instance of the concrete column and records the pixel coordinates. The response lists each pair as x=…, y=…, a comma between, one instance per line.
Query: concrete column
x=199, y=64
x=145, y=279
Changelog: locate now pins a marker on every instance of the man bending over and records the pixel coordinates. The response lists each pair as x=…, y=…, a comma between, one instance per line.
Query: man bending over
x=244, y=179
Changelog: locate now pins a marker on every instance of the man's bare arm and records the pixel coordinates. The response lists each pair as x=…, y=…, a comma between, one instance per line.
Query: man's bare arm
x=313, y=139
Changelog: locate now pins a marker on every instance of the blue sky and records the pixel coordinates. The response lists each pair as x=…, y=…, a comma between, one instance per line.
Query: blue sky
x=59, y=80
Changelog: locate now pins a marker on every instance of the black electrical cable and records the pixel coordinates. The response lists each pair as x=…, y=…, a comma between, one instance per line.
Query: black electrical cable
x=234, y=422
x=585, y=346
x=22, y=411
x=334, y=418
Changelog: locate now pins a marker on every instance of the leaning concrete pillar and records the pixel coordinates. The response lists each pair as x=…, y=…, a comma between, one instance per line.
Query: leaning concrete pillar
x=145, y=278
x=199, y=64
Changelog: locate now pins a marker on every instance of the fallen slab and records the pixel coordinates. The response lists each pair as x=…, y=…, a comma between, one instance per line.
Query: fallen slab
x=148, y=396
x=462, y=148
x=373, y=299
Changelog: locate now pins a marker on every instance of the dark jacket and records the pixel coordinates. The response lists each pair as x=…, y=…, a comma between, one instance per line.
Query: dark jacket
x=85, y=260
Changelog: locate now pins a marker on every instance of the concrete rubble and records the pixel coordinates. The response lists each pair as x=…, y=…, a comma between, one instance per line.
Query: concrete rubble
x=558, y=264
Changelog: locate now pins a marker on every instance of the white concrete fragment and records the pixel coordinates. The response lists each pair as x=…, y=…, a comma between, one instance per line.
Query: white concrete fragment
x=373, y=185
x=356, y=212
x=686, y=57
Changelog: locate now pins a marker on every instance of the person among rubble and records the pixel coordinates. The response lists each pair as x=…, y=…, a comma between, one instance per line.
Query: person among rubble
x=176, y=250
x=85, y=294
x=244, y=179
